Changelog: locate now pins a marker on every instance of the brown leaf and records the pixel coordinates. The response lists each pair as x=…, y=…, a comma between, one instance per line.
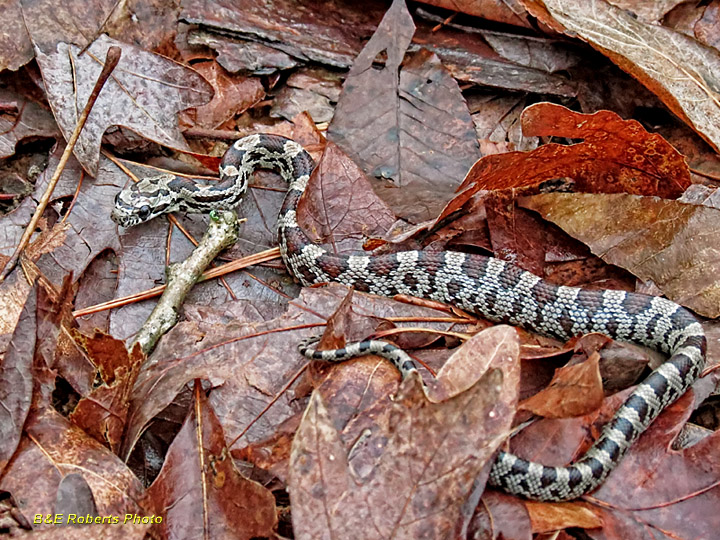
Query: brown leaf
x=16, y=381
x=74, y=496
x=199, y=490
x=621, y=364
x=89, y=227
x=651, y=12
x=653, y=488
x=500, y=517
x=234, y=94
x=126, y=531
x=464, y=367
x=314, y=90
x=325, y=32
x=338, y=325
x=96, y=285
x=144, y=93
x=523, y=237
x=549, y=517
x=237, y=55
x=497, y=120
x=680, y=71
x=468, y=57
x=494, y=10
x=410, y=129
x=53, y=448
x=616, y=156
x=673, y=493
x=432, y=458
x=103, y=411
x=655, y=239
x=253, y=355
x=632, y=160
x=574, y=391
x=340, y=207
x=55, y=348
x=30, y=120
x=557, y=441
x=149, y=24
x=15, y=46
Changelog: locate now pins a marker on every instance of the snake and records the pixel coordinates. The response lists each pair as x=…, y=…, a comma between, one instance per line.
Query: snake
x=490, y=287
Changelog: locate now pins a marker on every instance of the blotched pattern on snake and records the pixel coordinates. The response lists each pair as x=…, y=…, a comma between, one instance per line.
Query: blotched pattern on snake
x=486, y=286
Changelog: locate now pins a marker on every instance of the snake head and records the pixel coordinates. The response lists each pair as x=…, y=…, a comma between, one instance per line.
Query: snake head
x=143, y=201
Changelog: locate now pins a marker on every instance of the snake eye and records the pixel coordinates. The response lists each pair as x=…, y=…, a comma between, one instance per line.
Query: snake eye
x=144, y=211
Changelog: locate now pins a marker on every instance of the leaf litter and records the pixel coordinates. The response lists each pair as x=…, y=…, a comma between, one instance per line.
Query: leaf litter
x=595, y=198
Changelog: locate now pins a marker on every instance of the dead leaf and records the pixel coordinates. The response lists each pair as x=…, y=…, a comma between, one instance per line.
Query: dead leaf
x=473, y=358
x=30, y=121
x=655, y=239
x=313, y=90
x=144, y=93
x=408, y=128
x=574, y=391
x=15, y=46
x=632, y=160
x=340, y=208
x=494, y=10
x=238, y=55
x=251, y=356
x=127, y=531
x=431, y=460
x=675, y=67
x=16, y=382
x=549, y=517
x=621, y=364
x=616, y=156
x=53, y=448
x=524, y=239
x=74, y=496
x=199, y=490
x=338, y=325
x=327, y=33
x=654, y=488
x=500, y=516
x=234, y=94
x=466, y=54
x=103, y=411
x=650, y=12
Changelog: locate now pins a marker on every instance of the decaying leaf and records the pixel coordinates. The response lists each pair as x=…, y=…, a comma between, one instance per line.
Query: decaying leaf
x=144, y=94
x=29, y=121
x=655, y=239
x=410, y=128
x=199, y=490
x=15, y=46
x=53, y=448
x=549, y=517
x=575, y=390
x=660, y=493
x=615, y=156
x=676, y=68
x=340, y=207
x=430, y=461
x=103, y=411
x=324, y=32
x=16, y=358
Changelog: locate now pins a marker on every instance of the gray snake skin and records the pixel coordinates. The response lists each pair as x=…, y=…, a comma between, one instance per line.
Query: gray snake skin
x=486, y=286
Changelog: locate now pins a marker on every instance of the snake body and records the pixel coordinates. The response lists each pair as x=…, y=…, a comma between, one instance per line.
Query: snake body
x=486, y=286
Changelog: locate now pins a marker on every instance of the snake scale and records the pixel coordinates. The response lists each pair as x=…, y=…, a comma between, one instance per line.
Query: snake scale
x=486, y=286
